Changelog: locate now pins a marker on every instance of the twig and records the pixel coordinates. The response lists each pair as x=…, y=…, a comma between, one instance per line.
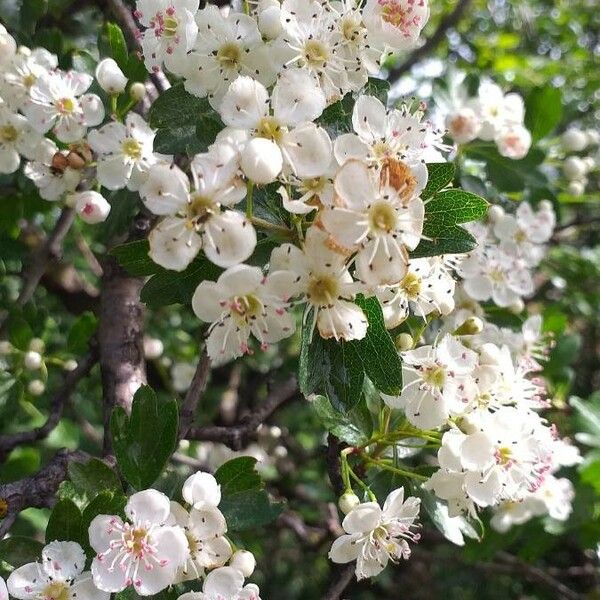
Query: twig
x=333, y=464
x=341, y=581
x=11, y=441
x=446, y=23
x=194, y=393
x=237, y=436
x=38, y=490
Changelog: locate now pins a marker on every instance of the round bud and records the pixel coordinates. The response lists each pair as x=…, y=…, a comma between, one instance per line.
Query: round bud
x=244, y=562
x=517, y=306
x=70, y=365
x=37, y=345
x=348, y=501
x=275, y=431
x=589, y=162
x=153, y=348
x=574, y=140
x=75, y=161
x=280, y=451
x=32, y=360
x=110, y=77
x=404, y=341
x=576, y=188
x=592, y=136
x=495, y=213
x=5, y=348
x=137, y=91
x=471, y=326
x=36, y=387
x=261, y=160
x=91, y=207
x=269, y=22
x=574, y=168
x=546, y=205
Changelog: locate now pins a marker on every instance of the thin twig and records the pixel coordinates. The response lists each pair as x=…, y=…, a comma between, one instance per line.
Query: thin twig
x=342, y=578
x=333, y=464
x=194, y=394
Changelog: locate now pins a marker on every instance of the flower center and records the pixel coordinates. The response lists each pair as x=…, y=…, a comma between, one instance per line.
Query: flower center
x=229, y=55
x=504, y=456
x=323, y=290
x=459, y=124
x=520, y=236
x=393, y=13
x=65, y=105
x=170, y=26
x=399, y=177
x=350, y=29
x=246, y=307
x=201, y=208
x=497, y=276
x=269, y=128
x=57, y=590
x=434, y=376
x=8, y=133
x=132, y=148
x=29, y=80
x=411, y=284
x=135, y=541
x=381, y=150
x=316, y=53
x=382, y=217
x=193, y=543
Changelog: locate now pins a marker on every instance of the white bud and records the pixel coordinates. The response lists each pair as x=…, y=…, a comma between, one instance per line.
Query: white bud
x=280, y=451
x=592, y=136
x=269, y=22
x=244, y=562
x=91, y=206
x=348, y=501
x=517, y=306
x=137, y=91
x=576, y=188
x=471, y=326
x=574, y=168
x=36, y=387
x=70, y=365
x=37, y=345
x=546, y=205
x=5, y=348
x=110, y=77
x=404, y=341
x=32, y=360
x=495, y=213
x=463, y=125
x=589, y=162
x=275, y=431
x=261, y=160
x=574, y=140
x=153, y=348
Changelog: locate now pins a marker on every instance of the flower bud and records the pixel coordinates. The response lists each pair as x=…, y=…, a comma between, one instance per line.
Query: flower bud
x=261, y=160
x=280, y=452
x=348, y=501
x=471, y=326
x=574, y=168
x=576, y=188
x=244, y=562
x=463, y=125
x=269, y=22
x=517, y=306
x=592, y=136
x=495, y=213
x=275, y=431
x=153, y=348
x=546, y=205
x=573, y=140
x=110, y=77
x=137, y=91
x=36, y=387
x=404, y=341
x=32, y=360
x=91, y=206
x=589, y=162
x=5, y=348
x=70, y=365
x=37, y=345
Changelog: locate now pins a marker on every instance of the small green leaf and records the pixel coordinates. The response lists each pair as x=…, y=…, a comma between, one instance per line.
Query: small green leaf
x=18, y=550
x=93, y=477
x=379, y=88
x=353, y=427
x=81, y=332
x=111, y=44
x=133, y=257
x=19, y=332
x=439, y=176
x=238, y=475
x=144, y=442
x=31, y=12
x=64, y=523
x=543, y=111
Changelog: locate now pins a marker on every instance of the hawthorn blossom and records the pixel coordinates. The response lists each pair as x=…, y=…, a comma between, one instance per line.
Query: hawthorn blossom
x=59, y=102
x=143, y=552
x=513, y=141
x=60, y=576
x=375, y=535
x=91, y=206
x=225, y=583
x=17, y=139
x=110, y=77
x=241, y=303
x=201, y=489
x=125, y=152
x=8, y=46
x=170, y=32
x=379, y=216
x=463, y=125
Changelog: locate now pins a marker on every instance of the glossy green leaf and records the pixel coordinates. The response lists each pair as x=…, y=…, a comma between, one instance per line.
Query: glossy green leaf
x=439, y=176
x=238, y=475
x=18, y=550
x=64, y=523
x=93, y=477
x=353, y=427
x=543, y=111
x=81, y=332
x=133, y=257
x=111, y=44
x=379, y=88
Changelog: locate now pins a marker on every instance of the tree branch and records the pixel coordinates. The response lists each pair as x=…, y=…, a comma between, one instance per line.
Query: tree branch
x=194, y=393
x=333, y=464
x=448, y=22
x=341, y=581
x=11, y=441
x=237, y=436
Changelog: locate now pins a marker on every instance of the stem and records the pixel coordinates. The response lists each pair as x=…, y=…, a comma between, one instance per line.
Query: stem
x=402, y=472
x=249, y=199
x=113, y=105
x=362, y=484
x=270, y=226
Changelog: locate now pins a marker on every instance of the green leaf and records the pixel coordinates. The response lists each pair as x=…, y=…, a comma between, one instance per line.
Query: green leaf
x=111, y=44
x=19, y=332
x=17, y=551
x=379, y=88
x=11, y=393
x=244, y=502
x=144, y=442
x=588, y=419
x=31, y=12
x=543, y=111
x=81, y=332
x=338, y=116
x=123, y=207
x=439, y=176
x=93, y=477
x=64, y=523
x=133, y=257
x=173, y=287
x=353, y=427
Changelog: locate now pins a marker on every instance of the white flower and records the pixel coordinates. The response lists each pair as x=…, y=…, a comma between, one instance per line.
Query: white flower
x=170, y=32
x=226, y=46
x=320, y=276
x=3, y=589
x=574, y=168
x=58, y=102
x=60, y=576
x=110, y=77
x=16, y=138
x=204, y=529
x=197, y=220
x=378, y=215
x=8, y=46
x=574, y=140
x=201, y=489
x=513, y=141
x=242, y=302
x=244, y=562
x=91, y=207
x=143, y=551
x=375, y=535
x=437, y=382
x=496, y=110
x=225, y=583
x=51, y=173
x=463, y=125
x=125, y=154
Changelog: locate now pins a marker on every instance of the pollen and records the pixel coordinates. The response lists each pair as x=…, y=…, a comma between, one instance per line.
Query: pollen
x=8, y=134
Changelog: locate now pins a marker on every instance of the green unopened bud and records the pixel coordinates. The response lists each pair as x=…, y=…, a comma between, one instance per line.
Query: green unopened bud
x=137, y=91
x=348, y=501
x=471, y=326
x=404, y=341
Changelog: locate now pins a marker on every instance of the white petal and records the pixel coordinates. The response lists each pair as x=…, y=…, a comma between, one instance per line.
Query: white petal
x=347, y=227
x=225, y=582
x=241, y=280
x=207, y=521
x=209, y=301
x=21, y=584
x=308, y=150
x=201, y=488
x=93, y=109
x=113, y=172
x=345, y=320
x=63, y=560
x=345, y=549
x=354, y=185
x=483, y=491
x=106, y=579
x=297, y=97
x=84, y=588
x=362, y=519
x=349, y=146
x=369, y=118
x=229, y=238
x=148, y=506
x=244, y=104
x=174, y=245
x=102, y=531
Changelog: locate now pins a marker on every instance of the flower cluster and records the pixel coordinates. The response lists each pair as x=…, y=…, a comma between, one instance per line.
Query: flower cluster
x=158, y=544
x=582, y=157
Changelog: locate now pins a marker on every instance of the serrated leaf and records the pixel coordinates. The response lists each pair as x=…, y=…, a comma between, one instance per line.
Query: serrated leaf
x=111, y=44
x=133, y=257
x=237, y=475
x=543, y=111
x=93, y=477
x=64, y=523
x=353, y=427
x=379, y=88
x=439, y=176
x=144, y=442
x=18, y=550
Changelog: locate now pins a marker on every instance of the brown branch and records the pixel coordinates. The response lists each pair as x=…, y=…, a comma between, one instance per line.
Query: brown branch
x=342, y=578
x=194, y=394
x=237, y=436
x=333, y=464
x=11, y=441
x=38, y=490
x=448, y=22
